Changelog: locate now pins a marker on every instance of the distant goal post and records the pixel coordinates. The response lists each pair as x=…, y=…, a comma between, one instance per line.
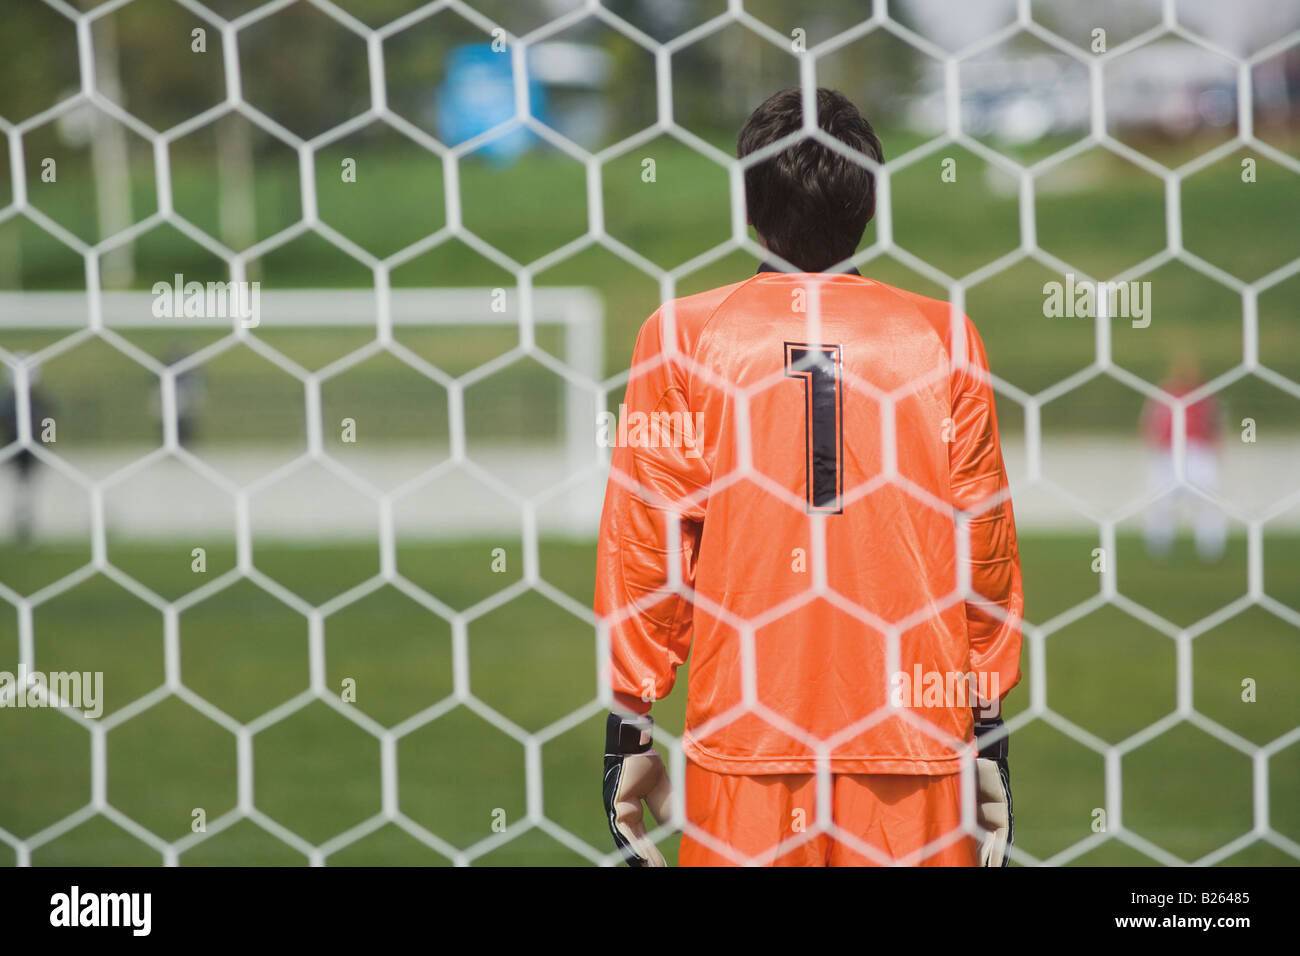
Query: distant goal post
x=578, y=312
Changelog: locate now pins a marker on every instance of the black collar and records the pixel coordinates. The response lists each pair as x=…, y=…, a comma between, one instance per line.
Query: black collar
x=768, y=267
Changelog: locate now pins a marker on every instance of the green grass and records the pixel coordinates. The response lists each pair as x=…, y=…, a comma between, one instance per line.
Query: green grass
x=1099, y=213
x=318, y=773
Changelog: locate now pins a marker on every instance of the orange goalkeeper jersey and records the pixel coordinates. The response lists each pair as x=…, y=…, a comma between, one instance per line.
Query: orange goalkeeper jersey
x=793, y=508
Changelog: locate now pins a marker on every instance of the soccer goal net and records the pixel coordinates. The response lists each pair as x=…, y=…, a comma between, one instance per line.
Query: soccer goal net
x=308, y=419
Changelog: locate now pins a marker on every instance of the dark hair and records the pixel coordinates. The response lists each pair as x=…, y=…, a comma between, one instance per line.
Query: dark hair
x=809, y=203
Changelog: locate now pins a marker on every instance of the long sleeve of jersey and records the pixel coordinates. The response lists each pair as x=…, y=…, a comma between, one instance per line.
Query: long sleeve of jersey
x=652, y=518
x=979, y=488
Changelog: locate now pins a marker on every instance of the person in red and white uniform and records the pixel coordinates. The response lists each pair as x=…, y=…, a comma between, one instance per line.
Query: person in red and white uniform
x=1204, y=424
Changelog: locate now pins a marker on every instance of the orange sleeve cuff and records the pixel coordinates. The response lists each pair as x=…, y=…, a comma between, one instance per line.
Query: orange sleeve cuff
x=631, y=702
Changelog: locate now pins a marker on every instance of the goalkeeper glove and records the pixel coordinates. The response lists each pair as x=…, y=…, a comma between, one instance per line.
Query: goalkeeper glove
x=993, y=795
x=634, y=772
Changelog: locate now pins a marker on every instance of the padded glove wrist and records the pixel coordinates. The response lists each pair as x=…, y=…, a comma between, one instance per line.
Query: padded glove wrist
x=634, y=773
x=993, y=794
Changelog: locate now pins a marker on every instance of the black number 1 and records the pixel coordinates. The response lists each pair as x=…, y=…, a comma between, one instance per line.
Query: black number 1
x=819, y=367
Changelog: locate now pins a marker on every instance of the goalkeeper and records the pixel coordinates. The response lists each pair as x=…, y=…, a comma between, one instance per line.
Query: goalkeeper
x=758, y=455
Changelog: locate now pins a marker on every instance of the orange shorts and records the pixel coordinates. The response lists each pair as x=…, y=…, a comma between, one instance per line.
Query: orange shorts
x=896, y=815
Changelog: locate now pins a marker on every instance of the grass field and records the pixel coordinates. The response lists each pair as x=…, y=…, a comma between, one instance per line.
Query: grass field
x=246, y=652
x=318, y=773
x=1099, y=213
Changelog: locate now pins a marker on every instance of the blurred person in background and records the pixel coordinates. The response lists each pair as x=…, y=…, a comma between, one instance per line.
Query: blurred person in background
x=1204, y=425
x=191, y=396
x=23, y=461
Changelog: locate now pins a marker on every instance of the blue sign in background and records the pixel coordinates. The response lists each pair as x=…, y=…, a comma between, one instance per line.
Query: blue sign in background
x=478, y=94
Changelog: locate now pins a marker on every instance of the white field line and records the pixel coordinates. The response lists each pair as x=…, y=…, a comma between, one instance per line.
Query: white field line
x=167, y=500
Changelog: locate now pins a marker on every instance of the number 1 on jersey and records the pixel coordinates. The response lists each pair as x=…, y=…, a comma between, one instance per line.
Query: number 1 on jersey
x=819, y=367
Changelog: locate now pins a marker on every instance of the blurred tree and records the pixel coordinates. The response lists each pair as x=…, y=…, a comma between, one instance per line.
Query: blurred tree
x=38, y=59
x=304, y=70
x=164, y=80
